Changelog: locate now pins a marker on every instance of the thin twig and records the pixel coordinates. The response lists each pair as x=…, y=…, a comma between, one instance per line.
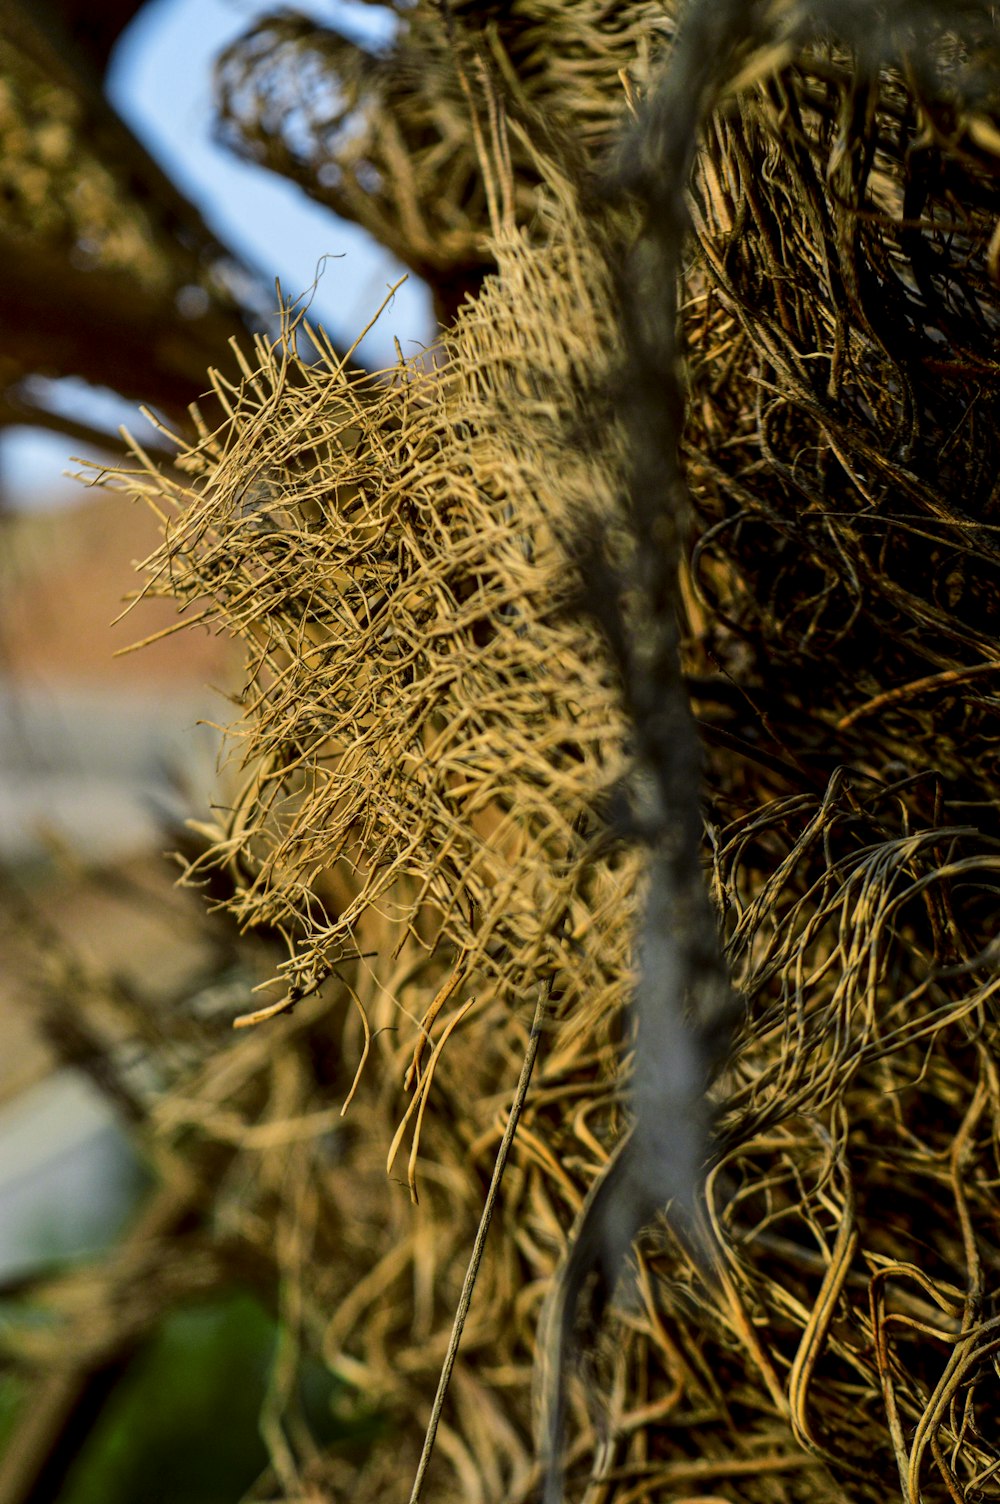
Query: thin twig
x=471, y=1273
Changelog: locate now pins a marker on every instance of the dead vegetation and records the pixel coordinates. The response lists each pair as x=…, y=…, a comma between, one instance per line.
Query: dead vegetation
x=453, y=810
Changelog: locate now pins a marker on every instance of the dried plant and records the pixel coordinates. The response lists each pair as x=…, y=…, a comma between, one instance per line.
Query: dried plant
x=468, y=805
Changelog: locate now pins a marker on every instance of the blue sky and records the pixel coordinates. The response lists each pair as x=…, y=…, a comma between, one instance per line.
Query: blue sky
x=161, y=82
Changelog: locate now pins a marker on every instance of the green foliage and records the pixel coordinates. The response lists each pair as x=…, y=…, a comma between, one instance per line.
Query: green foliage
x=184, y=1423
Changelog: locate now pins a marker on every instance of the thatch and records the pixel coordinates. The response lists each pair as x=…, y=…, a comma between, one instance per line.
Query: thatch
x=449, y=773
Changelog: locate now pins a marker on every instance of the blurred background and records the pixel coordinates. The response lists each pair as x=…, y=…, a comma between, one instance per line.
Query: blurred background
x=141, y=229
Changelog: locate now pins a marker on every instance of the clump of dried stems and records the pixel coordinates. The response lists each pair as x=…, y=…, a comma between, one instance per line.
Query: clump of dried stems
x=460, y=803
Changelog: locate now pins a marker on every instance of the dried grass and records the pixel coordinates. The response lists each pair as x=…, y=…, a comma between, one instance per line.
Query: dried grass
x=434, y=745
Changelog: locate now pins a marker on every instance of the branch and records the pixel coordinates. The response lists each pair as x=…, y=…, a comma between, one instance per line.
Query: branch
x=682, y=1003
